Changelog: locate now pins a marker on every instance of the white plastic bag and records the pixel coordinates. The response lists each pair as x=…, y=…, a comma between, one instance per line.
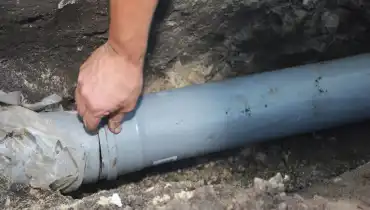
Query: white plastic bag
x=33, y=151
x=16, y=98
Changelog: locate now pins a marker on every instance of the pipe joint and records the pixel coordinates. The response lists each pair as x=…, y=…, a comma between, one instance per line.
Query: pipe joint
x=108, y=154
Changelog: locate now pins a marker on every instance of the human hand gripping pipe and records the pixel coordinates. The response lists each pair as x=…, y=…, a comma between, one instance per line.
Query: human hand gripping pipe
x=199, y=119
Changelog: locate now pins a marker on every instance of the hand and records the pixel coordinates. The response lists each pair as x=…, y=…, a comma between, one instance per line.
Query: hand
x=109, y=84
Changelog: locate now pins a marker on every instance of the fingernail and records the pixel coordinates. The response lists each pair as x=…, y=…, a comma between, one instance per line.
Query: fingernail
x=117, y=129
x=84, y=122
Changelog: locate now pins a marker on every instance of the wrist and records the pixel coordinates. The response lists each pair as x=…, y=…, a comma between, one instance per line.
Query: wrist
x=133, y=51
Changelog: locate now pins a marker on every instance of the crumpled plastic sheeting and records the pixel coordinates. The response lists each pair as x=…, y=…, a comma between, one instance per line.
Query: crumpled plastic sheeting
x=33, y=151
x=16, y=98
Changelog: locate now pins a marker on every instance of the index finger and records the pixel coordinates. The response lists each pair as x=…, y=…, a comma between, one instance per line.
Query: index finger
x=80, y=104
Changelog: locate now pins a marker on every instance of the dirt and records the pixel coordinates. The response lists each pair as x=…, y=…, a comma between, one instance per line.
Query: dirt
x=193, y=42
x=319, y=173
x=42, y=46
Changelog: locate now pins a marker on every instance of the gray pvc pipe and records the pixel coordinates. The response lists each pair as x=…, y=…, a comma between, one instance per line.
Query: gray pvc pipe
x=195, y=120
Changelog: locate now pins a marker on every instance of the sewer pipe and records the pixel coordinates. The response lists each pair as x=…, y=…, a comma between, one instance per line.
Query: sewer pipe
x=199, y=119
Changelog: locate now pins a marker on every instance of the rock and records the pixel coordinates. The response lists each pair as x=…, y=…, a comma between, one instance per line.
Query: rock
x=330, y=21
x=183, y=195
x=114, y=199
x=157, y=200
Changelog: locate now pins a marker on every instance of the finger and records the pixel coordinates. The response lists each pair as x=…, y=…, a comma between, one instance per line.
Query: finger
x=115, y=121
x=80, y=104
x=130, y=104
x=91, y=122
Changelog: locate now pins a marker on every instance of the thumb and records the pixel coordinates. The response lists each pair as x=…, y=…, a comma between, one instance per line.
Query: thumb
x=91, y=122
x=115, y=120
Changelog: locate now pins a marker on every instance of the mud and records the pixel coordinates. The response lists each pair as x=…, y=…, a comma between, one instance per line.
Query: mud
x=193, y=42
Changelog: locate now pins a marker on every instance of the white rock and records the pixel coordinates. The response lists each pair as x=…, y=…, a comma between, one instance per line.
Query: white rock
x=184, y=195
x=114, y=199
x=160, y=200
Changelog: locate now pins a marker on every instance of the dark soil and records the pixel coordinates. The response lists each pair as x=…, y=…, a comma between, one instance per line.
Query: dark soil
x=41, y=48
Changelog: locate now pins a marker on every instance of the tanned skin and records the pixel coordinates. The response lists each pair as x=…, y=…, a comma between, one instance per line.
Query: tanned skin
x=130, y=24
x=110, y=80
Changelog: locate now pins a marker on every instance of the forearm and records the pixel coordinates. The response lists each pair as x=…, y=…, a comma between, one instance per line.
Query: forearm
x=129, y=26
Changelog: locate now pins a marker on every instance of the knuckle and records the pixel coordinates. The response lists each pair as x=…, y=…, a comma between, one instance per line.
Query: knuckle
x=85, y=92
x=80, y=77
x=94, y=108
x=79, y=81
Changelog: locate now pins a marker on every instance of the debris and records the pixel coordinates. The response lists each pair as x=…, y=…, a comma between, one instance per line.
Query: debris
x=114, y=199
x=64, y=3
x=33, y=151
x=184, y=195
x=330, y=20
x=274, y=184
x=160, y=200
x=16, y=98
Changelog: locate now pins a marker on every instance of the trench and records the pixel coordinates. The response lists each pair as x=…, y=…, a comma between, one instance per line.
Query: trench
x=269, y=40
